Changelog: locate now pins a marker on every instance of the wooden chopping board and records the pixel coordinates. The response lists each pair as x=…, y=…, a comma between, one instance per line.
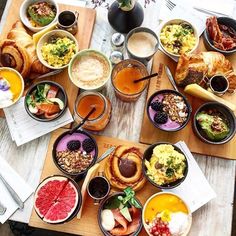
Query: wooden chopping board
x=87, y=225
x=150, y=134
x=86, y=22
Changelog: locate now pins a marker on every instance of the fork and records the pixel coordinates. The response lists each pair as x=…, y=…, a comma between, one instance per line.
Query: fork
x=170, y=5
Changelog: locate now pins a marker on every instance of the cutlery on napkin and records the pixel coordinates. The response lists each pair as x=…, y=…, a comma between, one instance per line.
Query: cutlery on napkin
x=22, y=189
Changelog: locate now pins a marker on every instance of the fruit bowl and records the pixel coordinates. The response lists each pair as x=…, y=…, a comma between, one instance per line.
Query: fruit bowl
x=168, y=110
x=54, y=193
x=71, y=149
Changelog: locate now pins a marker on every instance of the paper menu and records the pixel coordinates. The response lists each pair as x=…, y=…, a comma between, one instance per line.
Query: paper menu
x=195, y=189
x=24, y=129
x=22, y=189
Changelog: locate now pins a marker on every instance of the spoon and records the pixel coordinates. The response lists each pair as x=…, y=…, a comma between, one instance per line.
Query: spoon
x=105, y=154
x=2, y=209
x=83, y=121
x=146, y=77
x=170, y=77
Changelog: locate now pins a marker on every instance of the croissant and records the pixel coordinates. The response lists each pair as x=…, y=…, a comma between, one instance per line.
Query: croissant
x=14, y=55
x=194, y=67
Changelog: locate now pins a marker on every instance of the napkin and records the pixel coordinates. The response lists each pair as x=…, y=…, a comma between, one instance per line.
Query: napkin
x=24, y=129
x=17, y=183
x=195, y=189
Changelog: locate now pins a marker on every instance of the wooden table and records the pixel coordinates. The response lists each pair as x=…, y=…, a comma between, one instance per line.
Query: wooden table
x=215, y=218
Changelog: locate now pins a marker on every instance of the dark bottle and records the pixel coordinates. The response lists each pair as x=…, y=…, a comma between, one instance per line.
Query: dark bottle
x=123, y=19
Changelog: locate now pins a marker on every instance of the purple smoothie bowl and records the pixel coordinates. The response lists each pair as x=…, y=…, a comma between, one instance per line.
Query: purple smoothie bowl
x=61, y=145
x=170, y=125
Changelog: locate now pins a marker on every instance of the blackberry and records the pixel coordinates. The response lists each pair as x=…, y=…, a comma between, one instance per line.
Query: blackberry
x=88, y=145
x=157, y=106
x=73, y=145
x=160, y=117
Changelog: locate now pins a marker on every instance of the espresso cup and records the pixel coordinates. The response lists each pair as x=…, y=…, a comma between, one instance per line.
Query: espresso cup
x=98, y=188
x=218, y=84
x=68, y=20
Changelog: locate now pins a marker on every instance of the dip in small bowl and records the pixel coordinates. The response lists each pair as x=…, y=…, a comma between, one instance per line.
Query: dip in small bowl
x=89, y=70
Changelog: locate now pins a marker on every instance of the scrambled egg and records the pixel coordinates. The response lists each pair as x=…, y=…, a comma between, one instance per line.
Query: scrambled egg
x=58, y=51
x=178, y=38
x=166, y=165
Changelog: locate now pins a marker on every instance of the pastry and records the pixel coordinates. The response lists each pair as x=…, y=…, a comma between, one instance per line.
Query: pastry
x=14, y=56
x=193, y=68
x=21, y=44
x=124, y=168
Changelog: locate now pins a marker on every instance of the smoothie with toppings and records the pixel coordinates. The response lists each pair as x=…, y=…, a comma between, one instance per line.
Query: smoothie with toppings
x=166, y=214
x=11, y=87
x=168, y=111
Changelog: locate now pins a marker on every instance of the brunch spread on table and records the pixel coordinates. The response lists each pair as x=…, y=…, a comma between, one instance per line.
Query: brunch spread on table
x=206, y=75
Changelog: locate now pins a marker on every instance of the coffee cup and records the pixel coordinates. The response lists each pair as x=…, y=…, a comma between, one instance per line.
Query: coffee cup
x=68, y=20
x=218, y=84
x=141, y=44
x=98, y=188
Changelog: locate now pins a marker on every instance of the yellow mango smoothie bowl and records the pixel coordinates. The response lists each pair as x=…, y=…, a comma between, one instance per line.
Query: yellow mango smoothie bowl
x=11, y=86
x=166, y=214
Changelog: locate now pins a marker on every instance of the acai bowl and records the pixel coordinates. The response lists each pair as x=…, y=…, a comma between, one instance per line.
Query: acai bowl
x=168, y=110
x=75, y=153
x=165, y=214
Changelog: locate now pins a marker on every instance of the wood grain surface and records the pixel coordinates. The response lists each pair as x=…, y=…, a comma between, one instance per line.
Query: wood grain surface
x=87, y=225
x=149, y=134
x=86, y=21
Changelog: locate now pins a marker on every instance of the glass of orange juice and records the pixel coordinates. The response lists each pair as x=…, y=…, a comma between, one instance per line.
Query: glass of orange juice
x=98, y=119
x=123, y=76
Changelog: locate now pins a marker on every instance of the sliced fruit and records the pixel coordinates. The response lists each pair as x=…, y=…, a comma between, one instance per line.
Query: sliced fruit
x=125, y=212
x=56, y=199
x=58, y=101
x=197, y=91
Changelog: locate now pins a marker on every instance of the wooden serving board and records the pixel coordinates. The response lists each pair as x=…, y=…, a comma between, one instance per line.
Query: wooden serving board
x=86, y=22
x=150, y=134
x=87, y=225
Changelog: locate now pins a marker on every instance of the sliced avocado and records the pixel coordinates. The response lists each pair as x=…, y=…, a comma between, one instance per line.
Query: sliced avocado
x=125, y=212
x=58, y=101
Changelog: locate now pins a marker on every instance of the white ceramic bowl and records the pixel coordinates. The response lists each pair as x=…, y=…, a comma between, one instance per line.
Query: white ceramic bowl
x=161, y=193
x=177, y=21
x=24, y=18
x=22, y=85
x=81, y=54
x=44, y=39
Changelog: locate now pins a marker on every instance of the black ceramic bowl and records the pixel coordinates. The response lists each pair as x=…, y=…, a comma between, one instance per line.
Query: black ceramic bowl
x=61, y=94
x=75, y=212
x=101, y=207
x=67, y=136
x=209, y=43
x=148, y=154
x=226, y=112
x=189, y=109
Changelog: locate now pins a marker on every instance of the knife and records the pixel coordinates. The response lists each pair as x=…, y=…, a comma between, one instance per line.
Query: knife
x=170, y=77
x=14, y=195
x=54, y=72
x=105, y=154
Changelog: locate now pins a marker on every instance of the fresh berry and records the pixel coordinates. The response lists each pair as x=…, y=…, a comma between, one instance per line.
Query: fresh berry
x=157, y=106
x=73, y=145
x=88, y=145
x=160, y=117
